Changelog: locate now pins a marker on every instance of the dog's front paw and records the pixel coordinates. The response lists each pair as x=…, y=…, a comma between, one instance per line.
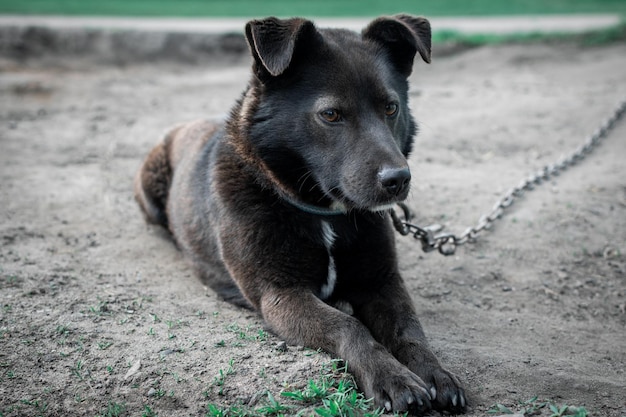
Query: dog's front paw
x=445, y=390
x=395, y=388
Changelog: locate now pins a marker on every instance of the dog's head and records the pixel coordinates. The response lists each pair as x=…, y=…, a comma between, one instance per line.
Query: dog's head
x=327, y=110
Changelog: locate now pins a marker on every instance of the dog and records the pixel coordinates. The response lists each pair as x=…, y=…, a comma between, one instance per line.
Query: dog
x=285, y=207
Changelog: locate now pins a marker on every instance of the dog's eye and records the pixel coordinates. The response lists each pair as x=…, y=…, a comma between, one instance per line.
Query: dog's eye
x=331, y=115
x=391, y=109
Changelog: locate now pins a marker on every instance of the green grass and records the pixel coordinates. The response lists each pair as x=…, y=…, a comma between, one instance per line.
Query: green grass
x=220, y=379
x=332, y=8
x=148, y=412
x=596, y=37
x=39, y=406
x=113, y=409
x=534, y=406
x=249, y=333
x=333, y=394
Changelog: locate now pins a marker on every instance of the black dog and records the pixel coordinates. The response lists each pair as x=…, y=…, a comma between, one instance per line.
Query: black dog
x=285, y=208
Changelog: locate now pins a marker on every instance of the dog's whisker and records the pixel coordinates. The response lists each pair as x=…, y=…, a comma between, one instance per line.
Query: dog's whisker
x=302, y=180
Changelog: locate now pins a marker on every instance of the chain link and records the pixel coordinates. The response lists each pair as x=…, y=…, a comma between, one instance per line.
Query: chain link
x=446, y=243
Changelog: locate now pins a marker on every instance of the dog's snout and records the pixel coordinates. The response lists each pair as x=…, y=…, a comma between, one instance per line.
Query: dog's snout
x=394, y=180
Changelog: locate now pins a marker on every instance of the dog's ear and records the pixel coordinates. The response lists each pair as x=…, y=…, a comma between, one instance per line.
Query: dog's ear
x=273, y=41
x=402, y=36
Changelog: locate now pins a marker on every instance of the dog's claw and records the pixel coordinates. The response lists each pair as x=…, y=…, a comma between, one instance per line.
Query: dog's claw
x=433, y=393
x=454, y=400
x=462, y=401
x=387, y=405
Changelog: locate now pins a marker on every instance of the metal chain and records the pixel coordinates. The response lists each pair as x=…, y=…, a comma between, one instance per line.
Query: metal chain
x=446, y=243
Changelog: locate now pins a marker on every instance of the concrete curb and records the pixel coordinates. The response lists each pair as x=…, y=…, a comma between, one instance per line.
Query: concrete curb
x=64, y=46
x=197, y=40
x=220, y=26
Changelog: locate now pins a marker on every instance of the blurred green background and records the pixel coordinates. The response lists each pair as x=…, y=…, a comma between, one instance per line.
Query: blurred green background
x=322, y=8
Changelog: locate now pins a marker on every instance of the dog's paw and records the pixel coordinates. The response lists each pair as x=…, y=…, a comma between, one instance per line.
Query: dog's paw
x=397, y=389
x=445, y=390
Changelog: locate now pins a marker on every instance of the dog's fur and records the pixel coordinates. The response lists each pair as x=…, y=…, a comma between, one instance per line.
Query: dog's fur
x=284, y=209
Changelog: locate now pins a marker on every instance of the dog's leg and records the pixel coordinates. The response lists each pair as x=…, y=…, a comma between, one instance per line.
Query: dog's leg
x=390, y=316
x=302, y=318
x=215, y=276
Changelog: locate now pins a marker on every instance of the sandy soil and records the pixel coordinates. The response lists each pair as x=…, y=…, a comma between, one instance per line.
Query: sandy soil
x=99, y=309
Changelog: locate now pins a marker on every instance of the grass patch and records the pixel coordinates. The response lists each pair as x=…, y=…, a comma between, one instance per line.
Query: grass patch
x=591, y=38
x=113, y=409
x=148, y=412
x=248, y=333
x=333, y=394
x=332, y=8
x=220, y=379
x=38, y=407
x=534, y=406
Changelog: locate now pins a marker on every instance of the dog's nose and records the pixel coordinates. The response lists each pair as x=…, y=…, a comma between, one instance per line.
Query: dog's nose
x=394, y=180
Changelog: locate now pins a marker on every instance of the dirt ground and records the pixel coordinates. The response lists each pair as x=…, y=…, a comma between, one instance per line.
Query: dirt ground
x=99, y=309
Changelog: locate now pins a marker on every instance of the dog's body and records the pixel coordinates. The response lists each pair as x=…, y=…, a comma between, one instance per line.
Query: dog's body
x=283, y=209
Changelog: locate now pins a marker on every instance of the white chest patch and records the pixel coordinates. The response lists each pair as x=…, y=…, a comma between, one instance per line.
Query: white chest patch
x=329, y=239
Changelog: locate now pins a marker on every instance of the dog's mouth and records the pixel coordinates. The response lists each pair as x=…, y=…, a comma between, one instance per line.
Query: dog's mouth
x=339, y=205
x=340, y=201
